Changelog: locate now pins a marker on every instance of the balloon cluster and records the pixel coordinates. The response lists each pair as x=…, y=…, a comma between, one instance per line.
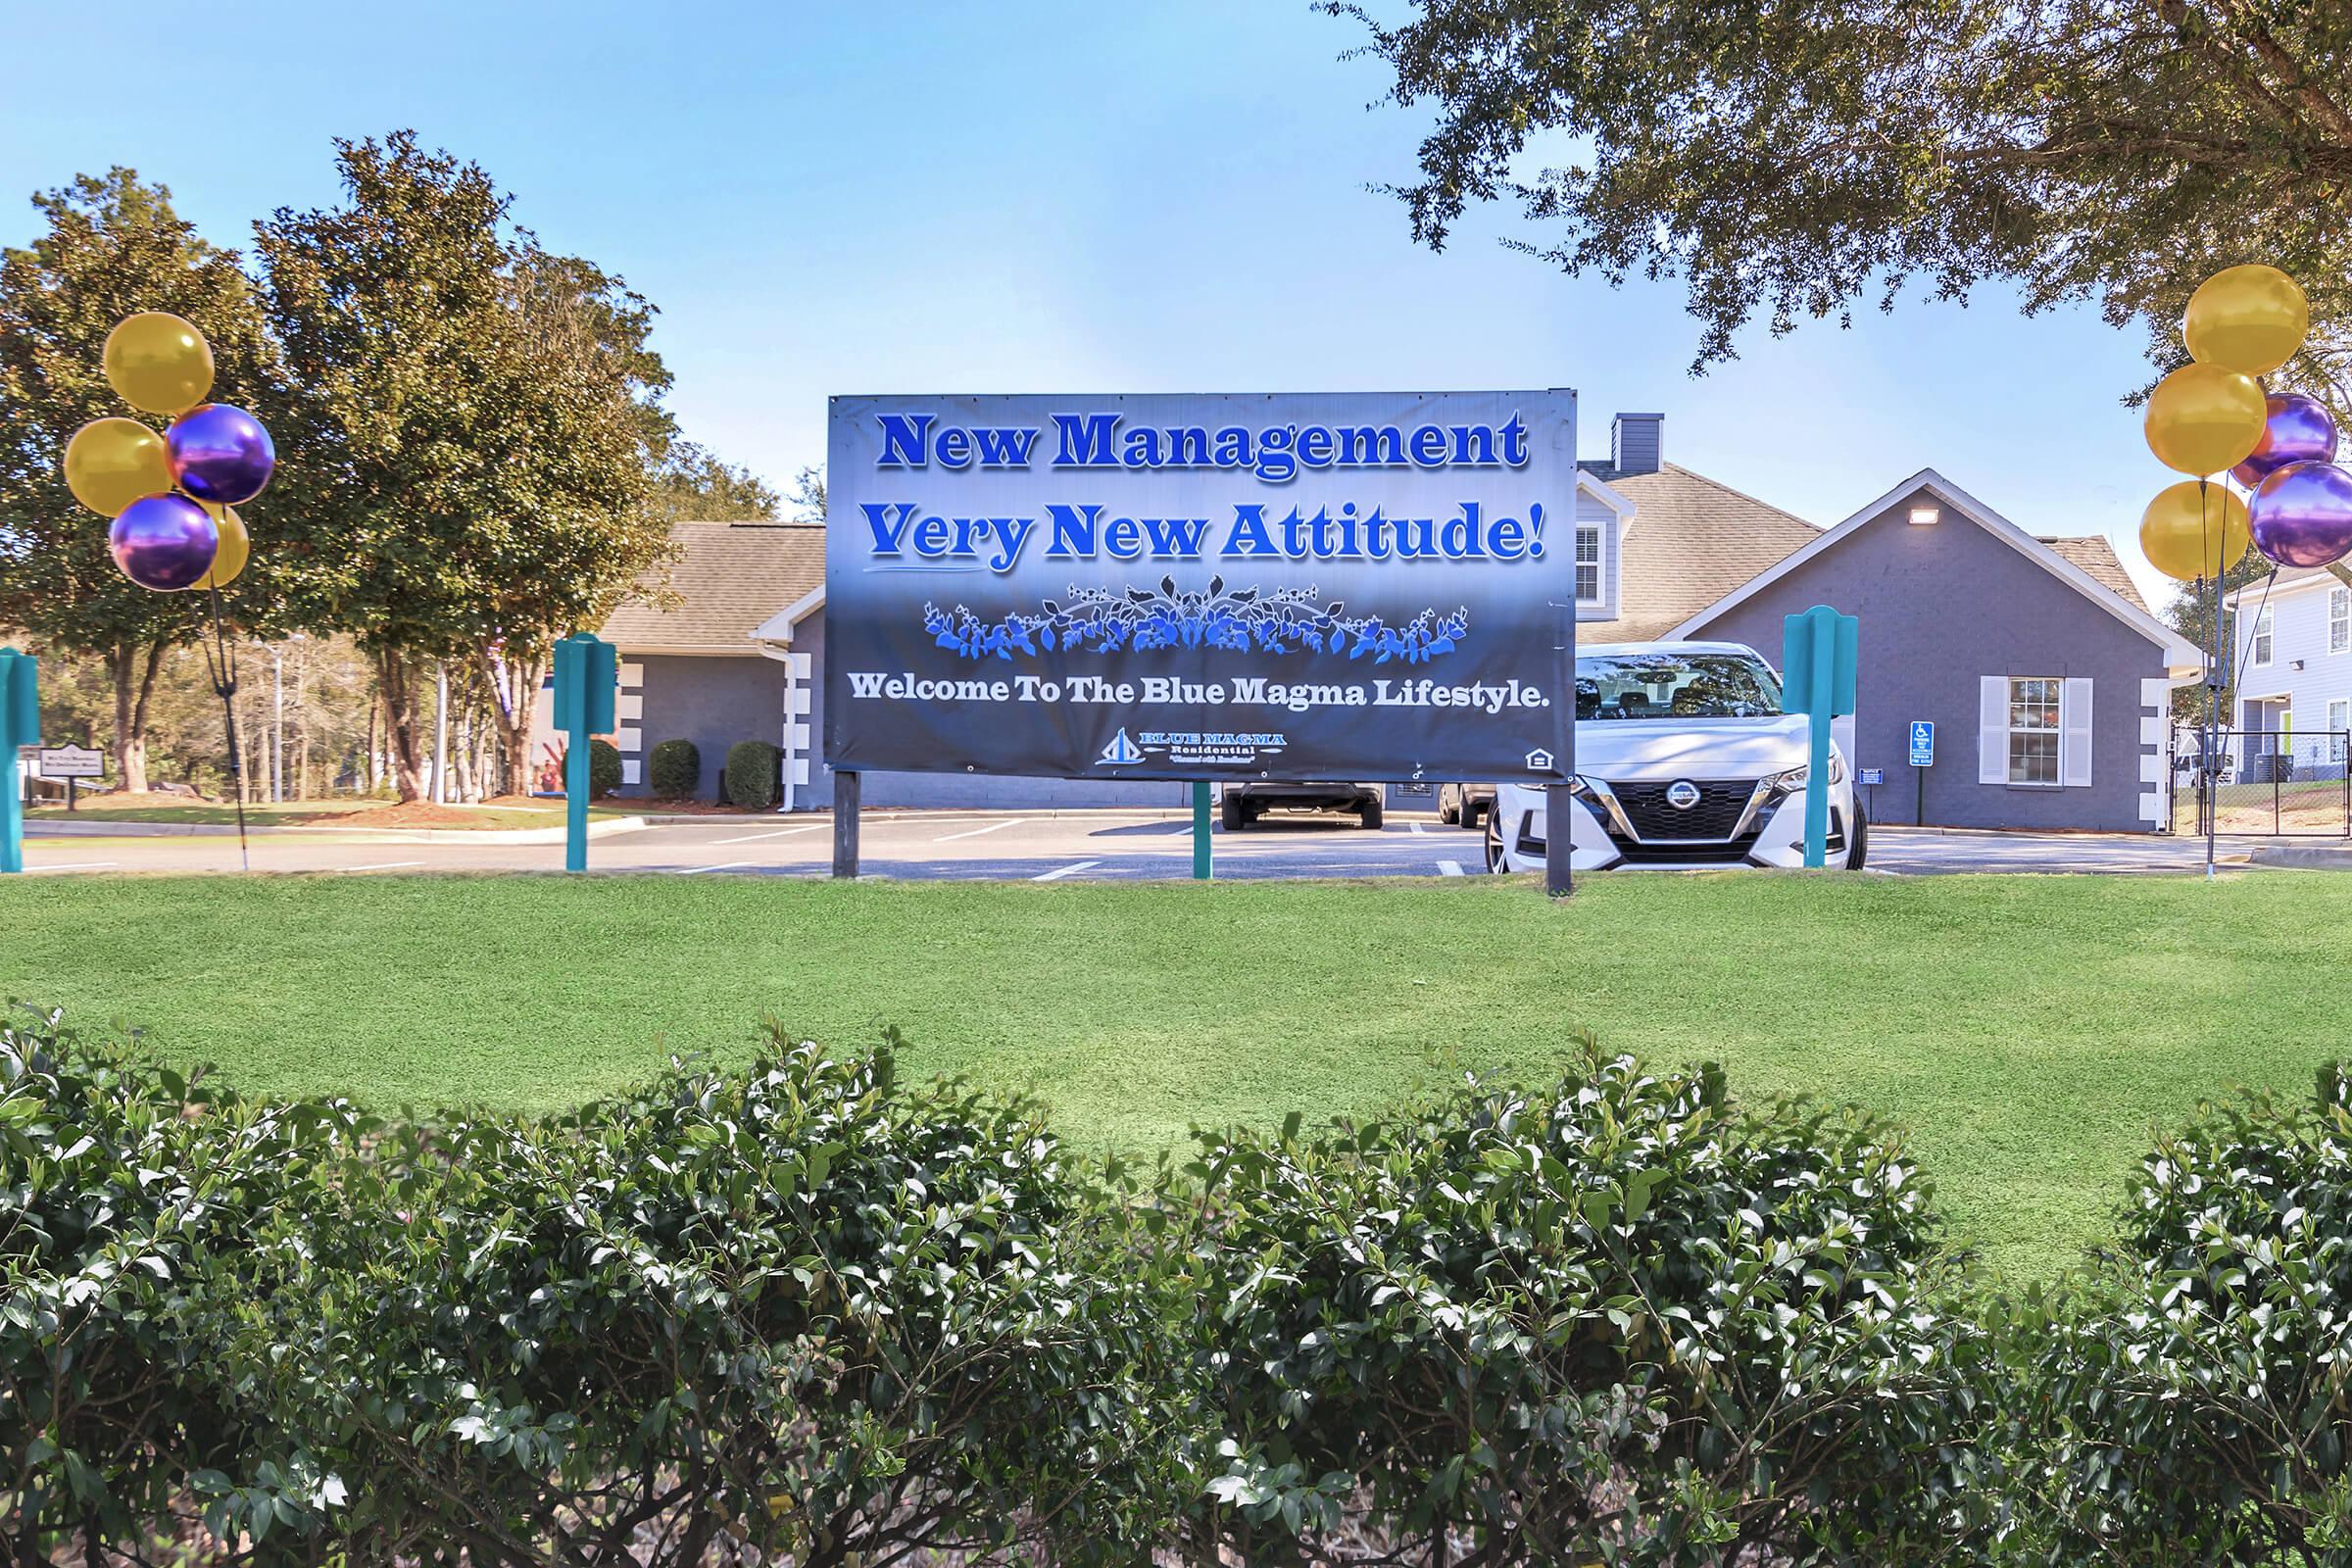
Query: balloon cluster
x=2212, y=417
x=174, y=496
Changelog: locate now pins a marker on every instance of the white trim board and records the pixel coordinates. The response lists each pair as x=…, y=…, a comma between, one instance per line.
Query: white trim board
x=2178, y=653
x=777, y=628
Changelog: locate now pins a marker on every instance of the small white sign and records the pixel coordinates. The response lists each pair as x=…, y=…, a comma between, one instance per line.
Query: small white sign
x=71, y=761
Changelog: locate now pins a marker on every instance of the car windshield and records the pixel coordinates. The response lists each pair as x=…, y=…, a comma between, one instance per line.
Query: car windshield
x=1675, y=685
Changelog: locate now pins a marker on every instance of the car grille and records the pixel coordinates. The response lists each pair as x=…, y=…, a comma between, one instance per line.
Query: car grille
x=1716, y=815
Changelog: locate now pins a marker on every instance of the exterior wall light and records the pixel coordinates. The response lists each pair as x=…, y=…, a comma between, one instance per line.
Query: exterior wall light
x=1926, y=516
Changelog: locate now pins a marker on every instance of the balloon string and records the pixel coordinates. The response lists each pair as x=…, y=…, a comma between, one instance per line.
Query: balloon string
x=223, y=667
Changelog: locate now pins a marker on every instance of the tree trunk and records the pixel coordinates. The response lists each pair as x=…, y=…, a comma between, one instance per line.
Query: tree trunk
x=133, y=666
x=512, y=678
x=404, y=744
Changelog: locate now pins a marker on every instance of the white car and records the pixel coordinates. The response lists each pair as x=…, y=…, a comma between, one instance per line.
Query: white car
x=1683, y=758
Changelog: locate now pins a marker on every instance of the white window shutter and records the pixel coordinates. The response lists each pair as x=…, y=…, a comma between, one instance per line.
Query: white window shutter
x=2074, y=737
x=1992, y=729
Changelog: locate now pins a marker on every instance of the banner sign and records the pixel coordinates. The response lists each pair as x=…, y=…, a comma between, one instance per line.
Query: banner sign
x=1360, y=586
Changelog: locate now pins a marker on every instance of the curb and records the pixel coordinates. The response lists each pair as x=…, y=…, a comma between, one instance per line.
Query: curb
x=2302, y=857
x=607, y=828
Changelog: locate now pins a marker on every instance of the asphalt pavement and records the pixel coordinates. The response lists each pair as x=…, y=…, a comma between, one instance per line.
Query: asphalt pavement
x=1041, y=846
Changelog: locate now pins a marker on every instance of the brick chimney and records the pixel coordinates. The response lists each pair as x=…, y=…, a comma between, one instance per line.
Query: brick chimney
x=1637, y=443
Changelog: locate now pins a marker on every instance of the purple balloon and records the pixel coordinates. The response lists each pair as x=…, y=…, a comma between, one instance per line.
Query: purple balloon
x=220, y=454
x=164, y=542
x=2297, y=430
x=2302, y=516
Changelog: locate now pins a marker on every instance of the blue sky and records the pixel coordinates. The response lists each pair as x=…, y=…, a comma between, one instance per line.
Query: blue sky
x=1044, y=196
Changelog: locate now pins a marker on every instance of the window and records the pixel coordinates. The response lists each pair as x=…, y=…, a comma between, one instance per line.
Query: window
x=2262, y=637
x=2034, y=729
x=2339, y=619
x=1616, y=686
x=1588, y=564
x=2339, y=719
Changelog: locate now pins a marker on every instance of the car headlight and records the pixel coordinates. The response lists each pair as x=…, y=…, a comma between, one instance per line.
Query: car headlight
x=1794, y=778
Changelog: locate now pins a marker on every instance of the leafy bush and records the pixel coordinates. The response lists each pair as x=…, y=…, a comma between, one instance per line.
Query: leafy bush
x=134, y=1198
x=604, y=768
x=754, y=775
x=1617, y=1320
x=674, y=769
x=2198, y=1407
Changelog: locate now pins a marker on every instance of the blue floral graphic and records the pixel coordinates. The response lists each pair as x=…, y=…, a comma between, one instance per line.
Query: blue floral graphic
x=1102, y=620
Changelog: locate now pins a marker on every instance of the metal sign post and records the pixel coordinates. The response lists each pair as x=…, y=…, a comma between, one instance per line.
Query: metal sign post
x=1923, y=757
x=587, y=687
x=1819, y=658
x=20, y=725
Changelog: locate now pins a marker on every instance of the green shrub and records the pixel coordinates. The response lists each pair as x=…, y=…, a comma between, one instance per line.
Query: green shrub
x=1616, y=1320
x=674, y=769
x=133, y=1204
x=755, y=774
x=604, y=768
x=2197, y=1402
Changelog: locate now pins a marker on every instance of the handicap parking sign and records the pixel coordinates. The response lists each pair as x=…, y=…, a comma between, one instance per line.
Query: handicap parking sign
x=1923, y=743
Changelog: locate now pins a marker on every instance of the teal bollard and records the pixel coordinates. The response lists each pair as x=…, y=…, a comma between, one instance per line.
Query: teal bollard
x=20, y=725
x=1820, y=657
x=1201, y=863
x=587, y=682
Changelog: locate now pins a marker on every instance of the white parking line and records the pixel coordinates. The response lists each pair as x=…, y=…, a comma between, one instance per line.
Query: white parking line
x=388, y=865
x=950, y=838
x=77, y=865
x=1067, y=870
x=728, y=865
x=1418, y=828
x=779, y=833
x=1449, y=868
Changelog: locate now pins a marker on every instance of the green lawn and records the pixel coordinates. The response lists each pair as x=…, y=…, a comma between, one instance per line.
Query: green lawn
x=2026, y=1030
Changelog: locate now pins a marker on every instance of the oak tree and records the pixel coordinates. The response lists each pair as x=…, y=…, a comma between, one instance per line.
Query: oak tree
x=111, y=246
x=1786, y=159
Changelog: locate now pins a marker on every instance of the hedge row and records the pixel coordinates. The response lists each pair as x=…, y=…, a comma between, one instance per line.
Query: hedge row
x=806, y=1312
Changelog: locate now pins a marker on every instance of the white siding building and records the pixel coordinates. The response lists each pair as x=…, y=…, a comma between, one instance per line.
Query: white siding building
x=2294, y=640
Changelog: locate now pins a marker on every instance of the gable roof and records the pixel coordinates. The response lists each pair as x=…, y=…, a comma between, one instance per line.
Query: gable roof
x=2177, y=652
x=725, y=579
x=2288, y=577
x=1691, y=542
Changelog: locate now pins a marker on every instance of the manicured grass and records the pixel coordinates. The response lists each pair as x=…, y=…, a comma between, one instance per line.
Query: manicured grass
x=2027, y=1031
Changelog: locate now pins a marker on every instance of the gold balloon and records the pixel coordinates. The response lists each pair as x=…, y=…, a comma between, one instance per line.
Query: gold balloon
x=235, y=546
x=112, y=463
x=2203, y=419
x=2250, y=320
x=2193, y=530
x=159, y=362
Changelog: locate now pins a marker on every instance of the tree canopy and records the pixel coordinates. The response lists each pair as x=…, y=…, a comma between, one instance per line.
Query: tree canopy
x=1787, y=157
x=111, y=246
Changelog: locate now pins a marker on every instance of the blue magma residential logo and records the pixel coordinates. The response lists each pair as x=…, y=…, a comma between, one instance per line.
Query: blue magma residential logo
x=1122, y=752
x=1103, y=620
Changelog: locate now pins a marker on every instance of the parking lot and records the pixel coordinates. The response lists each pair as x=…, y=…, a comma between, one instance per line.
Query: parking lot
x=1040, y=847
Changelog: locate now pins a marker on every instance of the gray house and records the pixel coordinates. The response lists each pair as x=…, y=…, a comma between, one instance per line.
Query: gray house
x=2045, y=677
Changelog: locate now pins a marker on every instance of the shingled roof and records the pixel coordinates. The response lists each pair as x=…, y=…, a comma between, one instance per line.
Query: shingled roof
x=724, y=580
x=1691, y=542
x=2096, y=555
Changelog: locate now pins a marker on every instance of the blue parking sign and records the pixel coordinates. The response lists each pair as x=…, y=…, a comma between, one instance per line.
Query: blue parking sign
x=1923, y=743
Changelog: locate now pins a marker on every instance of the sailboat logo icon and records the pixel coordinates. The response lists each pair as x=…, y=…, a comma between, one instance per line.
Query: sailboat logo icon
x=1122, y=751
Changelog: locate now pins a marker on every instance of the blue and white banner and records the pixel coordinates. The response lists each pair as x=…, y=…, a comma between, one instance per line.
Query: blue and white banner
x=1344, y=586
